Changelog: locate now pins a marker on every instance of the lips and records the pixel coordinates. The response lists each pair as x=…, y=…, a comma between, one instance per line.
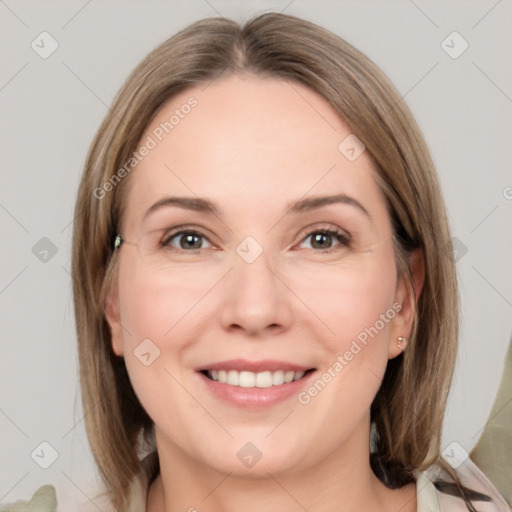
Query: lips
x=254, y=385
x=254, y=374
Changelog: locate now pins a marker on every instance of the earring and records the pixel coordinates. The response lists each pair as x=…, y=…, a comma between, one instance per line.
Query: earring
x=118, y=242
x=401, y=342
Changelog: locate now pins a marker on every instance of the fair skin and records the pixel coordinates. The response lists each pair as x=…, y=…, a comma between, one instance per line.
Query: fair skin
x=252, y=146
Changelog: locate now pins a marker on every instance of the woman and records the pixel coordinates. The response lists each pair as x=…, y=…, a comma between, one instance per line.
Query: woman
x=264, y=287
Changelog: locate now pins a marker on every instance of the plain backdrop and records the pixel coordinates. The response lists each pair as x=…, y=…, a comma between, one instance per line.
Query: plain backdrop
x=51, y=107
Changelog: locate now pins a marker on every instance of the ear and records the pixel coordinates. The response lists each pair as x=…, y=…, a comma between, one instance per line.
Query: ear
x=113, y=317
x=408, y=296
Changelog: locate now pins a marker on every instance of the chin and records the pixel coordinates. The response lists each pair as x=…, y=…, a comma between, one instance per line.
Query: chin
x=251, y=459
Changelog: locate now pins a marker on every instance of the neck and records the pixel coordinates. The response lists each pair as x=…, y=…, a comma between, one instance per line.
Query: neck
x=340, y=481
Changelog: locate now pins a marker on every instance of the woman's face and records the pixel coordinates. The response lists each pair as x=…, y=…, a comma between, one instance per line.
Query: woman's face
x=272, y=281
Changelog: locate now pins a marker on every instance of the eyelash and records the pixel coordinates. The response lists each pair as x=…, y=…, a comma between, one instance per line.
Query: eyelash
x=342, y=237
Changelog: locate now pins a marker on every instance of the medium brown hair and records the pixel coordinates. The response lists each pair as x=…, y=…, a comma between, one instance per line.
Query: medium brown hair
x=407, y=413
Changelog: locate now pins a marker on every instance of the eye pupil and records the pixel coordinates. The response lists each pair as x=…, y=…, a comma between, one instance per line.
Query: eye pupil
x=190, y=241
x=321, y=238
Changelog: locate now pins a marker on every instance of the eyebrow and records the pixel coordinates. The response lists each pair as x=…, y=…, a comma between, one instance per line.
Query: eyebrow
x=206, y=206
x=312, y=203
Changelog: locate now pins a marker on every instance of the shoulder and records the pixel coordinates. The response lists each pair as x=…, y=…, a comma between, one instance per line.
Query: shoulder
x=136, y=493
x=135, y=502
x=53, y=498
x=431, y=499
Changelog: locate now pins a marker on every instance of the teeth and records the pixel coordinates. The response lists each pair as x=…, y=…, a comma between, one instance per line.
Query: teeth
x=278, y=378
x=288, y=376
x=263, y=380
x=246, y=379
x=232, y=378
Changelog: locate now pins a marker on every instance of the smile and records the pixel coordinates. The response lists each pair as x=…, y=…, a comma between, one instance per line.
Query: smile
x=247, y=379
x=255, y=385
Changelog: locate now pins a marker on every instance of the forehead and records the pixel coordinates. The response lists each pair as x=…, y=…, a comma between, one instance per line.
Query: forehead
x=247, y=140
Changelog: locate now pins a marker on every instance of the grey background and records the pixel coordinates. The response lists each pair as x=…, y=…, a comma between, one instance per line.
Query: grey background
x=51, y=108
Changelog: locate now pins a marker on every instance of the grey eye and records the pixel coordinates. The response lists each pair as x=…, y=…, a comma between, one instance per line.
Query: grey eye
x=186, y=240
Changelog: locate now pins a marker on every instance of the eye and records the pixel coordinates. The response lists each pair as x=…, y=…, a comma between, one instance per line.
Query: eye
x=323, y=239
x=185, y=239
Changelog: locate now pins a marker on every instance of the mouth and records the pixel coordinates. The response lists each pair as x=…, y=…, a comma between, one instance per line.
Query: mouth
x=242, y=373
x=249, y=379
x=254, y=385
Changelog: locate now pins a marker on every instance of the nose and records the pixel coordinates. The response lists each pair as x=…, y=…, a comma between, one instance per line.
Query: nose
x=256, y=300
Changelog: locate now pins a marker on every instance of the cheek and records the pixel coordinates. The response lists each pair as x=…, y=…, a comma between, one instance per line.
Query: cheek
x=156, y=304
x=353, y=300
x=162, y=314
x=157, y=314
x=356, y=305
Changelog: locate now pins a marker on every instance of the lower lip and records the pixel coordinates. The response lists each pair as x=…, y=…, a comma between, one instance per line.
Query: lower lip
x=254, y=398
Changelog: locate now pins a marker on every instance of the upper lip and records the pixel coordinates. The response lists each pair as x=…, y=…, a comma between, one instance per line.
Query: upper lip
x=271, y=365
